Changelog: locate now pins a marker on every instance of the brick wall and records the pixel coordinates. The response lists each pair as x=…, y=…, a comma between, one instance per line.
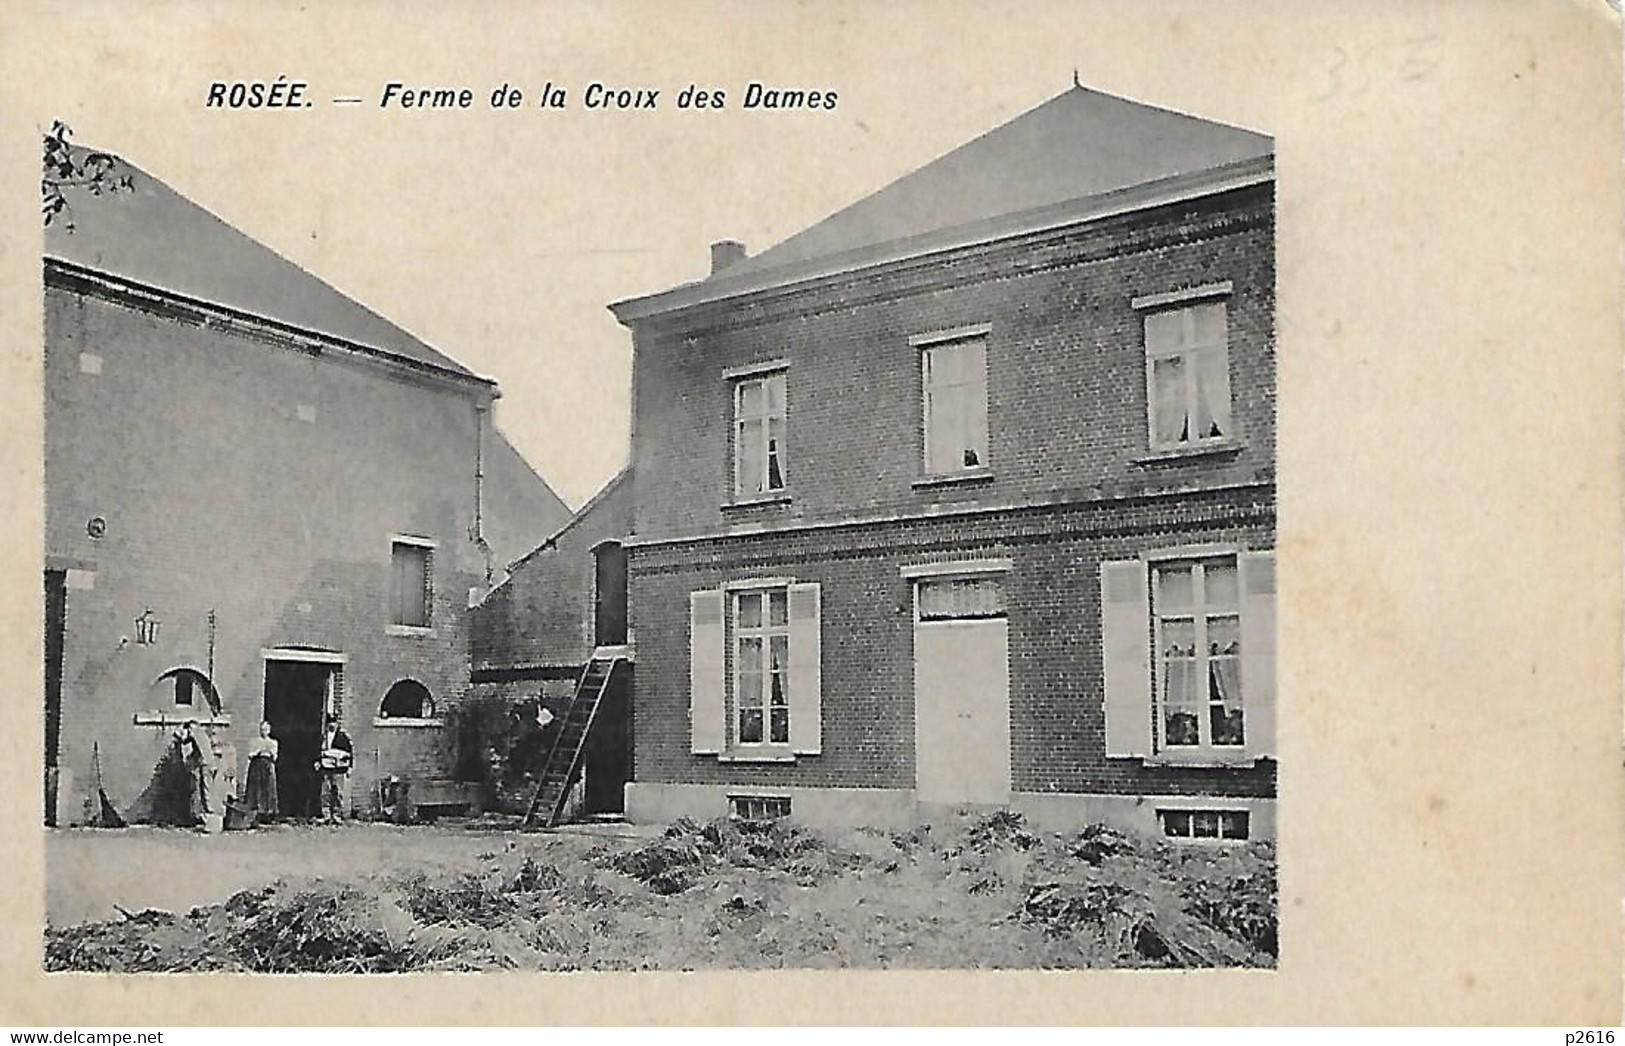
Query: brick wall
x=1053, y=595
x=543, y=613
x=1065, y=369
x=262, y=482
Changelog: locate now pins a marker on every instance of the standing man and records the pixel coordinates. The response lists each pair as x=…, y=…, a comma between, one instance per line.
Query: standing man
x=334, y=769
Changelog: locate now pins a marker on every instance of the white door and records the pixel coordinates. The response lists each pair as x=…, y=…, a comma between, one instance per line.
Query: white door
x=962, y=708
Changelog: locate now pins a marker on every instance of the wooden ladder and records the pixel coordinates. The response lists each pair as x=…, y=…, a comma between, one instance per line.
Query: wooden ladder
x=569, y=747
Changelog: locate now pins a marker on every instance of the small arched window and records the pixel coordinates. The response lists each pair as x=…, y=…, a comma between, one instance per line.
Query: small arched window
x=189, y=688
x=407, y=699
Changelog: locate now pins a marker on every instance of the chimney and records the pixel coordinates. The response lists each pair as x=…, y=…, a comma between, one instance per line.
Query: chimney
x=725, y=253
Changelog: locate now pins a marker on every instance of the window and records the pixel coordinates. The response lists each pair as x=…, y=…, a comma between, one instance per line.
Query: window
x=1196, y=606
x=411, y=583
x=759, y=435
x=187, y=687
x=960, y=599
x=407, y=699
x=1205, y=824
x=954, y=408
x=758, y=807
x=755, y=670
x=1188, y=655
x=1188, y=371
x=762, y=667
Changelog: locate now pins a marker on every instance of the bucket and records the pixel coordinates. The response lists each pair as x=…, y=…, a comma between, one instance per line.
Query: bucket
x=239, y=817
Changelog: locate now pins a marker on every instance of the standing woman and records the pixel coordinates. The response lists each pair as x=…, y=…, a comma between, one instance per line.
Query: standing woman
x=261, y=792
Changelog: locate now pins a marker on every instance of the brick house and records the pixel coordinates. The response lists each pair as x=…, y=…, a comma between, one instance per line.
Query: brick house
x=262, y=501
x=965, y=495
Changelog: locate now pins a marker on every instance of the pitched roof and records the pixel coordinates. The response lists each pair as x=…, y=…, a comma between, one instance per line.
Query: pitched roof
x=155, y=236
x=521, y=510
x=1081, y=145
x=581, y=515
x=1078, y=144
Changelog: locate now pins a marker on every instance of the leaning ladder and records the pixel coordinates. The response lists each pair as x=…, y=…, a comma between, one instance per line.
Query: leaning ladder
x=568, y=750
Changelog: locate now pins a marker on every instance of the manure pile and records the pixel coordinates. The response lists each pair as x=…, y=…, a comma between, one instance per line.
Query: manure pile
x=988, y=892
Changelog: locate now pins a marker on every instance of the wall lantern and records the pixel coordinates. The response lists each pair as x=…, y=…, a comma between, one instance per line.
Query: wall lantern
x=146, y=628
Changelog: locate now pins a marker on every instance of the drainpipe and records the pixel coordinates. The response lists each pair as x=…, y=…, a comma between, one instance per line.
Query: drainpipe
x=482, y=418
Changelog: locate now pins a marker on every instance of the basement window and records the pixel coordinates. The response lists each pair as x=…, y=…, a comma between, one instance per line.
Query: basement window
x=1206, y=825
x=758, y=807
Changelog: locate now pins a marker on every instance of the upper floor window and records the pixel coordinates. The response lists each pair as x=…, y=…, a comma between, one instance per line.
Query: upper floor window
x=954, y=384
x=1188, y=367
x=759, y=427
x=411, y=583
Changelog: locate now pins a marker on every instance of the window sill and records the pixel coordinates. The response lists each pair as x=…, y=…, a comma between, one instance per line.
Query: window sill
x=159, y=717
x=413, y=631
x=974, y=475
x=777, y=497
x=1166, y=455
x=407, y=722
x=745, y=756
x=1203, y=760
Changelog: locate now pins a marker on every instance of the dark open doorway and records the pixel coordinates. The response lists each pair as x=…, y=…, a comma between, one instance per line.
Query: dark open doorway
x=609, y=749
x=609, y=594
x=56, y=623
x=295, y=701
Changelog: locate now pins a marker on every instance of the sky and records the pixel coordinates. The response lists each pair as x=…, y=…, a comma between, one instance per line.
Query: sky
x=500, y=237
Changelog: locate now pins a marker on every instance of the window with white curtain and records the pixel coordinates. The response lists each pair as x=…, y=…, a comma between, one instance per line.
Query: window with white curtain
x=1188, y=368
x=954, y=379
x=762, y=667
x=1196, y=610
x=760, y=460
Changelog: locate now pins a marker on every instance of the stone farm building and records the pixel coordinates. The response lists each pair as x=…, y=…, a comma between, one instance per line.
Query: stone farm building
x=964, y=495
x=262, y=501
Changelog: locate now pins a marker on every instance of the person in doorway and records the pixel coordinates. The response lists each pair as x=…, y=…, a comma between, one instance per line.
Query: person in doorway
x=334, y=769
x=260, y=795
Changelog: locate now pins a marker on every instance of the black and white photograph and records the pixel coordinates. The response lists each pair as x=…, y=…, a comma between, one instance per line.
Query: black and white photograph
x=571, y=503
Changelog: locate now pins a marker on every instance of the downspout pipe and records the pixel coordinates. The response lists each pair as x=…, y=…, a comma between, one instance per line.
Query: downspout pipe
x=476, y=532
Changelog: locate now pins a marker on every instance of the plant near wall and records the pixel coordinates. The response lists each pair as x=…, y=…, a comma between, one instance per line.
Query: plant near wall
x=66, y=166
x=479, y=726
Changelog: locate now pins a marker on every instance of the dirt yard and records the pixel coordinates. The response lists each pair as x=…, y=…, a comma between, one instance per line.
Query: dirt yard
x=977, y=892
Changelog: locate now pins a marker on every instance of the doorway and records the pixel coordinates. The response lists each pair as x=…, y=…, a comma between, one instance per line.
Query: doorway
x=609, y=594
x=961, y=691
x=297, y=695
x=56, y=627
x=609, y=749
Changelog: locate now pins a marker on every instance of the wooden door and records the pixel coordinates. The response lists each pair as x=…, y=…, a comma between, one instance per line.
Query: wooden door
x=609, y=594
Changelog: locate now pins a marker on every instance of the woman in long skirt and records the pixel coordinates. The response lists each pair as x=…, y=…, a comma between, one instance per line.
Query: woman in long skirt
x=261, y=792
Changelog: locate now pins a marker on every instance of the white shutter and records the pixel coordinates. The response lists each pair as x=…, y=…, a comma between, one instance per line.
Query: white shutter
x=1125, y=625
x=806, y=672
x=1258, y=651
x=707, y=707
